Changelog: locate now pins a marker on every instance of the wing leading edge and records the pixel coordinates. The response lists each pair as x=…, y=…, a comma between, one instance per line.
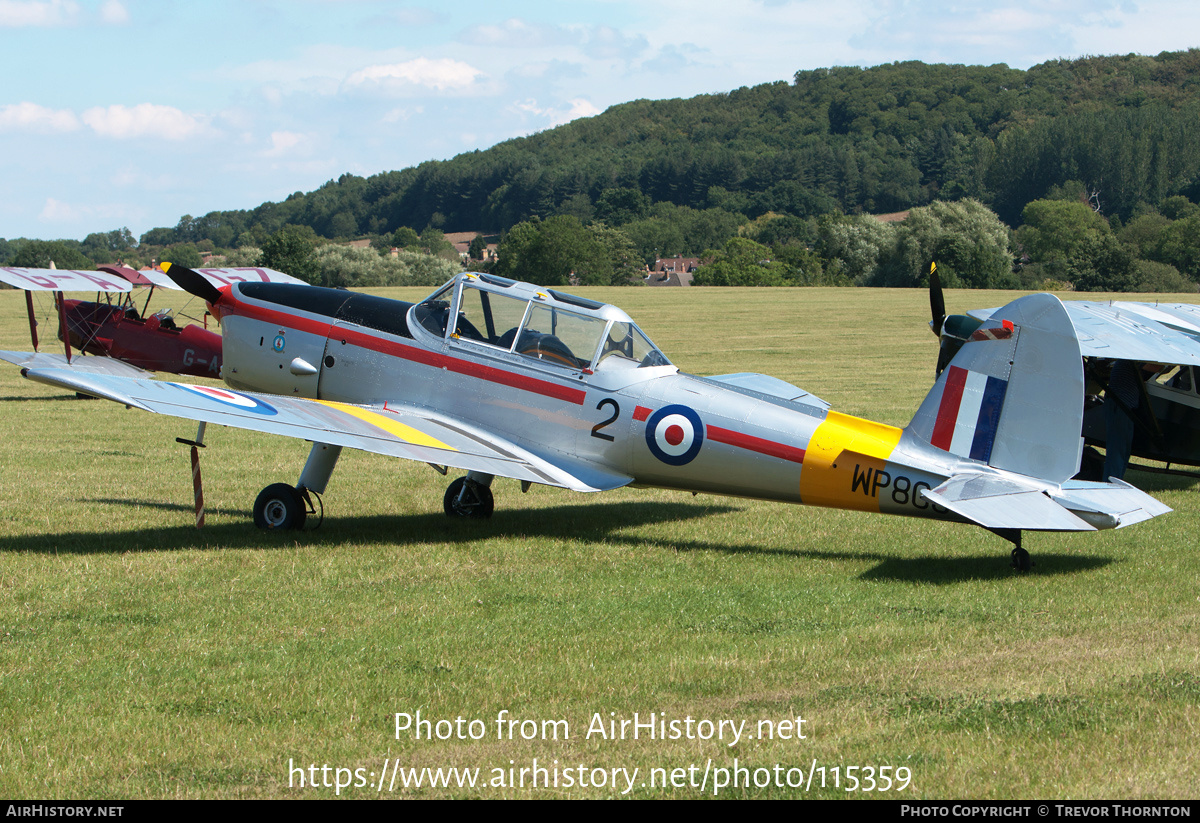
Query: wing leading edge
x=396, y=431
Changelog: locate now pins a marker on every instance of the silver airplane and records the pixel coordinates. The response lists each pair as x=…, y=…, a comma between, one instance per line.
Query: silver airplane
x=506, y=379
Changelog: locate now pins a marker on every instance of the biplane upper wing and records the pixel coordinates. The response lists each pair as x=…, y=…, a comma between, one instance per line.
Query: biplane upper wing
x=1145, y=332
x=63, y=280
x=223, y=277
x=111, y=279
x=398, y=431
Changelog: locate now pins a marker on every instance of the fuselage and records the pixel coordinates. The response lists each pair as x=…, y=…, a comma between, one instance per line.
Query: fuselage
x=567, y=378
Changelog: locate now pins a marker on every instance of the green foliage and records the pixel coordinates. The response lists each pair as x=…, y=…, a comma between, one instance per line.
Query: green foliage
x=856, y=248
x=1102, y=263
x=1161, y=278
x=551, y=252
x=349, y=267
x=477, y=248
x=291, y=251
x=741, y=263
x=38, y=254
x=183, y=254
x=1179, y=245
x=965, y=238
x=1055, y=230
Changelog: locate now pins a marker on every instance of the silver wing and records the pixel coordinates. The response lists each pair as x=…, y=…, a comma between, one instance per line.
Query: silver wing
x=399, y=431
x=1145, y=332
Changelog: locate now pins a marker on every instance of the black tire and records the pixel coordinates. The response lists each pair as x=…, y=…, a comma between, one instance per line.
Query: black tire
x=466, y=498
x=1021, y=561
x=280, y=506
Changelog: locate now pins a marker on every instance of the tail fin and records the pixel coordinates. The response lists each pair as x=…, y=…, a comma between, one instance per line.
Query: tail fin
x=1013, y=395
x=1013, y=398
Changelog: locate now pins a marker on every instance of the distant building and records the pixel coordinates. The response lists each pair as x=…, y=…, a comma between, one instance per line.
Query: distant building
x=461, y=240
x=673, y=271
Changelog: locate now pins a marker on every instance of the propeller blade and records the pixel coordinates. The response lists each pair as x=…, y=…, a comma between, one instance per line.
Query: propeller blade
x=937, y=303
x=192, y=282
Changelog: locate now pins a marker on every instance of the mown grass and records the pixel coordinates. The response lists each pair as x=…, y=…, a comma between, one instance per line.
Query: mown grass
x=140, y=657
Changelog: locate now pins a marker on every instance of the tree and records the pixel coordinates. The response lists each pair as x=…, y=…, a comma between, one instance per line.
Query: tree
x=290, y=250
x=741, y=263
x=855, y=247
x=1055, y=230
x=39, y=254
x=184, y=254
x=552, y=251
x=965, y=238
x=477, y=248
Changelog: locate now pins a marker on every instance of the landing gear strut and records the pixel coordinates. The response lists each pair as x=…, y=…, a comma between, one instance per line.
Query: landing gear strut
x=469, y=497
x=1020, y=558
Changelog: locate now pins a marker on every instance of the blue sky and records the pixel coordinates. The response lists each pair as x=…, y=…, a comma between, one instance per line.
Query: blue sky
x=134, y=112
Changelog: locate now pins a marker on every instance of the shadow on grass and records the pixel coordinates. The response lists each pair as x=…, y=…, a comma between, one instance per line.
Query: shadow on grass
x=608, y=523
x=588, y=522
x=989, y=566
x=1150, y=482
x=28, y=398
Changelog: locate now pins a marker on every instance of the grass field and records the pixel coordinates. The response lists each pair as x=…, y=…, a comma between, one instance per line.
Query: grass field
x=140, y=657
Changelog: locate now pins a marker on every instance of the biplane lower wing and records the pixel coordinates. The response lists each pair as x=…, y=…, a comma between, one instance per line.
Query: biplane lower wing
x=89, y=365
x=396, y=431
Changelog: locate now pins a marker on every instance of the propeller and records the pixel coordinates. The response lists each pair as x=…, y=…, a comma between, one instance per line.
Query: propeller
x=192, y=282
x=953, y=330
x=937, y=303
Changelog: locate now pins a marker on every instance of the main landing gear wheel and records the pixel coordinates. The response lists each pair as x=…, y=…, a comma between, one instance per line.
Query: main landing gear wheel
x=466, y=498
x=280, y=506
x=1020, y=560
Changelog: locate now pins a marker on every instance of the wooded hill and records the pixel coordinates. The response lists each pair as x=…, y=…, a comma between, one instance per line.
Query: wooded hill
x=856, y=140
x=783, y=169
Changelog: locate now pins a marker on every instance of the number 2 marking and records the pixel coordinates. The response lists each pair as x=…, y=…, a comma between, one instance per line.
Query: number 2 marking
x=608, y=401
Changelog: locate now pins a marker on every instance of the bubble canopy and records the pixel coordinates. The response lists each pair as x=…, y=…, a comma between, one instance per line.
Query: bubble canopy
x=545, y=324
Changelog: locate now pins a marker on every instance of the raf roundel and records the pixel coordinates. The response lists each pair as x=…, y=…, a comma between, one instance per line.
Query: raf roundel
x=675, y=434
x=230, y=398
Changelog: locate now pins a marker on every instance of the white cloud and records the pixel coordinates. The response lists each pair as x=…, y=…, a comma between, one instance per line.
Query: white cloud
x=442, y=74
x=576, y=108
x=45, y=13
x=35, y=118
x=283, y=142
x=142, y=120
x=114, y=13
x=57, y=211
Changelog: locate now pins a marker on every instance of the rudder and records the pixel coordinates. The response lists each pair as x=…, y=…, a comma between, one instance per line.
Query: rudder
x=1013, y=395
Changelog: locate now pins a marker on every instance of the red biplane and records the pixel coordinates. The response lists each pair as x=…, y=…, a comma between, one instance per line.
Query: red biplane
x=117, y=328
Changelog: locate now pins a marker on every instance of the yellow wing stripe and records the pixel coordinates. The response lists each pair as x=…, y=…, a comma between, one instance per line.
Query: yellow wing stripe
x=841, y=449
x=395, y=428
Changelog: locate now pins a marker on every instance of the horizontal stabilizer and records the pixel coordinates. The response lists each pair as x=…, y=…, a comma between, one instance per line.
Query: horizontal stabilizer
x=1000, y=502
x=997, y=503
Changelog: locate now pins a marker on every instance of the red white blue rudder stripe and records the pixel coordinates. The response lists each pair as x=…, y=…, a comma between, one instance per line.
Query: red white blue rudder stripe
x=969, y=414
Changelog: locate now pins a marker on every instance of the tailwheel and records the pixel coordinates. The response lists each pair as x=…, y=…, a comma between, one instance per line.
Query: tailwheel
x=280, y=506
x=466, y=498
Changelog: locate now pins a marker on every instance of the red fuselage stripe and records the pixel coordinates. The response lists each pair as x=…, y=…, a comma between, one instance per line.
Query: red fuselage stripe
x=411, y=352
x=755, y=444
